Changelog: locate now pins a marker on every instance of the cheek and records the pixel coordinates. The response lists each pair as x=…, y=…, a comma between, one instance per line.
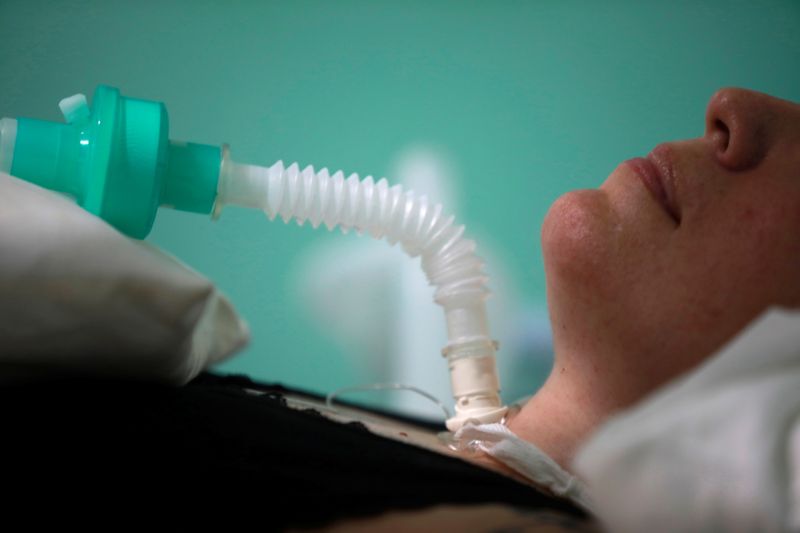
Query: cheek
x=752, y=254
x=769, y=251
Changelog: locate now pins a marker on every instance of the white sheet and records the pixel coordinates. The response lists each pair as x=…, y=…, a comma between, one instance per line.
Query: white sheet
x=718, y=450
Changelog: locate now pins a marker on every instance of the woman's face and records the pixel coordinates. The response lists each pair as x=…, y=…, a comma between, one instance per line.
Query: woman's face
x=678, y=251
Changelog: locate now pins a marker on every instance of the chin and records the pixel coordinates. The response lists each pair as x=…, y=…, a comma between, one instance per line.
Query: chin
x=577, y=236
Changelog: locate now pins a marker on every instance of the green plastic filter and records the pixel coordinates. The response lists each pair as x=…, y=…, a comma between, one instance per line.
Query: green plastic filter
x=116, y=160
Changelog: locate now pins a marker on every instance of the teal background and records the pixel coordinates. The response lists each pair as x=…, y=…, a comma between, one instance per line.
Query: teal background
x=529, y=99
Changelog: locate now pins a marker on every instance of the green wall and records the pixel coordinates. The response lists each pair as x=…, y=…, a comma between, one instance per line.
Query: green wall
x=528, y=99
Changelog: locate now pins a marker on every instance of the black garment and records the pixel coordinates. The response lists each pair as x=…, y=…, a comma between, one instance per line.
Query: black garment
x=143, y=445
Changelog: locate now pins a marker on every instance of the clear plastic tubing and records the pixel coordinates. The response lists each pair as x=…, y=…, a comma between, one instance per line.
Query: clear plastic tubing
x=422, y=229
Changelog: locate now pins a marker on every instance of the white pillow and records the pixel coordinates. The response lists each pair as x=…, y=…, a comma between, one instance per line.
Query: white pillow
x=78, y=297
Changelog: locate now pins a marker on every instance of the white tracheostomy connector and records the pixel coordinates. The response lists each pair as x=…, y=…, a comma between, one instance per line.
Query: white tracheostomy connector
x=8, y=138
x=449, y=260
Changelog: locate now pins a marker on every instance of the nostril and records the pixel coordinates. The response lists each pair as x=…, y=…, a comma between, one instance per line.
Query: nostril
x=722, y=134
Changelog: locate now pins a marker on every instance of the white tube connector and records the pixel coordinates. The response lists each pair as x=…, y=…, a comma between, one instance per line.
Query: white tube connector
x=8, y=138
x=448, y=259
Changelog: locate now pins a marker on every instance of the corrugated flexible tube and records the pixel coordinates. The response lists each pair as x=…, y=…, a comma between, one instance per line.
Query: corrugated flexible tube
x=448, y=259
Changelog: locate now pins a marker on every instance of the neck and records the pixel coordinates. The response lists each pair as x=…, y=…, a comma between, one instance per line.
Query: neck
x=552, y=421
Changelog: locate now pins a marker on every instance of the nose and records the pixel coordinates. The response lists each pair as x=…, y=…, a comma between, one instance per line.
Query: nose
x=737, y=126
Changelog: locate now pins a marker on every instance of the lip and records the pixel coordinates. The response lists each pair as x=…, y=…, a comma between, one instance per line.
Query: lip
x=656, y=174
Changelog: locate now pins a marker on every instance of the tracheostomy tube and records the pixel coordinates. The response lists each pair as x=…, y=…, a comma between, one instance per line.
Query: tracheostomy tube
x=422, y=229
x=117, y=161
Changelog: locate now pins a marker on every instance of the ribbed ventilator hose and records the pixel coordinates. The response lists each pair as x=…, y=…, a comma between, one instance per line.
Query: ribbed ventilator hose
x=422, y=229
